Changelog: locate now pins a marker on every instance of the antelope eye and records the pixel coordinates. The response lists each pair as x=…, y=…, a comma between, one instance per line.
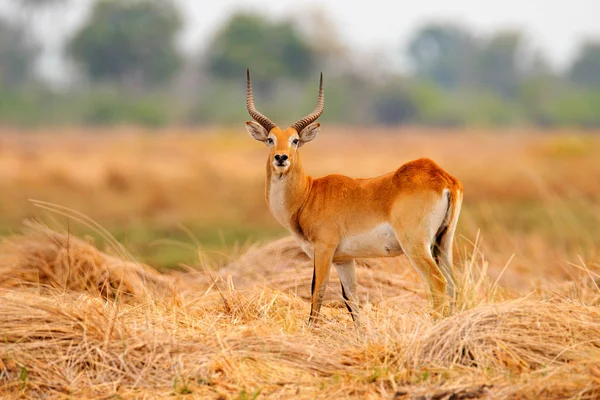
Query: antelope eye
x=295, y=142
x=270, y=141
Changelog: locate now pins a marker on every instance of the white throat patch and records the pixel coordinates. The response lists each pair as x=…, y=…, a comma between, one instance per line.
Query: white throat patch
x=277, y=201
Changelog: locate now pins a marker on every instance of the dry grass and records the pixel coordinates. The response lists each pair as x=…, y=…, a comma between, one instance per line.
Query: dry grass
x=43, y=258
x=80, y=322
x=240, y=332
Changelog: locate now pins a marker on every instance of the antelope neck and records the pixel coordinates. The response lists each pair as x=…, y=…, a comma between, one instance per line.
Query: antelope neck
x=287, y=193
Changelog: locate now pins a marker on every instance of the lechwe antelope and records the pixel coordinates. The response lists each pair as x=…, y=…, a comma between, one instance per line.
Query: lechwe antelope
x=335, y=219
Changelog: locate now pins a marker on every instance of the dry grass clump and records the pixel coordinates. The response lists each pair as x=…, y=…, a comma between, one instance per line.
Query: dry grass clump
x=48, y=259
x=58, y=342
x=80, y=344
x=519, y=335
x=242, y=333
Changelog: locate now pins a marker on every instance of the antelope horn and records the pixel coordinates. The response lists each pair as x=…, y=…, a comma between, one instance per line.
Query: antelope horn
x=258, y=117
x=310, y=118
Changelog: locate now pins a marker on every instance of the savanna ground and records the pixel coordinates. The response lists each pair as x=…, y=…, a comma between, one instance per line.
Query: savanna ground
x=83, y=314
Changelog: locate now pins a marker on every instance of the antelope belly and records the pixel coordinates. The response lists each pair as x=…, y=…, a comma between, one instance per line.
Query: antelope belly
x=377, y=242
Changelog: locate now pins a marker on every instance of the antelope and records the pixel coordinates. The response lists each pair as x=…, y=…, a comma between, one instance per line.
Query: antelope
x=336, y=219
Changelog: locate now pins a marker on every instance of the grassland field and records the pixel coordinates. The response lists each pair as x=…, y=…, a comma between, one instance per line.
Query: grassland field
x=202, y=294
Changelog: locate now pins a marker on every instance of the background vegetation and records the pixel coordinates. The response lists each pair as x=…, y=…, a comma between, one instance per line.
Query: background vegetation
x=125, y=66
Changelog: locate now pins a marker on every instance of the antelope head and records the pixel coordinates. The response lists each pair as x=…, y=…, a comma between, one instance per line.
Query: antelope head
x=283, y=144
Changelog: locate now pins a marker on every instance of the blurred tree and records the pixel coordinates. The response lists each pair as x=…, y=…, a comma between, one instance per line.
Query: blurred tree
x=499, y=68
x=445, y=54
x=269, y=49
x=395, y=104
x=129, y=41
x=539, y=87
x=17, y=55
x=585, y=70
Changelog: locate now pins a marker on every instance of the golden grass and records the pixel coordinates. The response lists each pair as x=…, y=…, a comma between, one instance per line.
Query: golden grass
x=43, y=258
x=240, y=332
x=78, y=322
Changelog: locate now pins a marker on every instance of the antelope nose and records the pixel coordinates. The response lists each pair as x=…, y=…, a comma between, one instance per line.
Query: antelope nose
x=280, y=158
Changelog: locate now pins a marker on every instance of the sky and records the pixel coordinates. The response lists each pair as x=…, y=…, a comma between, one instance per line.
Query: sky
x=557, y=27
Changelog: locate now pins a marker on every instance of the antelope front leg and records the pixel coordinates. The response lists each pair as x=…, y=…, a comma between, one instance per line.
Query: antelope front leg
x=322, y=265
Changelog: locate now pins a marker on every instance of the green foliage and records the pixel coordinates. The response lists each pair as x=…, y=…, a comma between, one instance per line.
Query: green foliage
x=395, y=104
x=219, y=102
x=454, y=59
x=129, y=41
x=490, y=109
x=244, y=395
x=435, y=106
x=498, y=63
x=349, y=99
x=492, y=82
x=111, y=108
x=585, y=71
x=182, y=387
x=23, y=377
x=535, y=95
x=577, y=108
x=26, y=107
x=268, y=48
x=37, y=107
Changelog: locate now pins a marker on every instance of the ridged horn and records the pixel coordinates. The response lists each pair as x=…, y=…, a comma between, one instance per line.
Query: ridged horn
x=258, y=117
x=310, y=118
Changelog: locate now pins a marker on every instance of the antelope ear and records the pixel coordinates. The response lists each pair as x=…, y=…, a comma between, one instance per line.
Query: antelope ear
x=310, y=132
x=257, y=131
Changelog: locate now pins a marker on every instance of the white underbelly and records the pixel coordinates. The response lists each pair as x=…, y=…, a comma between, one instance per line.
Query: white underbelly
x=378, y=242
